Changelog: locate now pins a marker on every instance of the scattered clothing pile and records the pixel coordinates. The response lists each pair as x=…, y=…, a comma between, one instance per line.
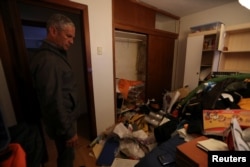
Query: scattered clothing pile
x=155, y=128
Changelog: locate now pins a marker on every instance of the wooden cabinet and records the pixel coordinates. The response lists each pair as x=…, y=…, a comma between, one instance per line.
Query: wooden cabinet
x=202, y=56
x=137, y=16
x=189, y=155
x=230, y=53
x=159, y=66
x=130, y=16
x=133, y=14
x=193, y=59
x=203, y=53
x=235, y=56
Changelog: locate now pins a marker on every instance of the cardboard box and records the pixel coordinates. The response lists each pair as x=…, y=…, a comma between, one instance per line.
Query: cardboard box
x=215, y=122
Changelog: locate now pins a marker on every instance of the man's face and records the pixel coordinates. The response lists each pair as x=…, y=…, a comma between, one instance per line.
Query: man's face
x=65, y=38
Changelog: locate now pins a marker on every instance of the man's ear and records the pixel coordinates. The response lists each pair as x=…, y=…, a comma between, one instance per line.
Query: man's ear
x=53, y=30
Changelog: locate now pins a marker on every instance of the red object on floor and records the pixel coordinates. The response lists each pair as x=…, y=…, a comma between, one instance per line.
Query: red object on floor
x=17, y=157
x=175, y=113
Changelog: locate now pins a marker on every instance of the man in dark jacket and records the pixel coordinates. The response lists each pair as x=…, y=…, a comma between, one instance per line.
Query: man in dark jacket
x=56, y=88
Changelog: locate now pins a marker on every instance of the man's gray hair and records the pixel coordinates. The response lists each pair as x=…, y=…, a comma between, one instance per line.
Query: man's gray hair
x=59, y=21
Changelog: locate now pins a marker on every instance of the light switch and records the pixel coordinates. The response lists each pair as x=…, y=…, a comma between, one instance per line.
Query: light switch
x=99, y=50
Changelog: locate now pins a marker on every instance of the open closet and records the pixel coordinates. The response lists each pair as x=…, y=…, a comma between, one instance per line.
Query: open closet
x=130, y=55
x=130, y=68
x=148, y=32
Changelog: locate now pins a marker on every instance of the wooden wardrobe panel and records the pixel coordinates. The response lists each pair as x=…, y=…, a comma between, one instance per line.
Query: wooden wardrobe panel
x=159, y=66
x=129, y=13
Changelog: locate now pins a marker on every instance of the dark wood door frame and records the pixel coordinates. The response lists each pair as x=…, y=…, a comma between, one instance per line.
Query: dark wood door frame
x=15, y=57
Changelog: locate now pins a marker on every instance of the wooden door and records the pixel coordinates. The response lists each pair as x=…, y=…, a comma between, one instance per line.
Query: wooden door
x=193, y=61
x=15, y=59
x=159, y=66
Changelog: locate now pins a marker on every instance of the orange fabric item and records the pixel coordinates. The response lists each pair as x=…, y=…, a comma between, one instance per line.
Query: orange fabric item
x=17, y=157
x=244, y=103
x=124, y=86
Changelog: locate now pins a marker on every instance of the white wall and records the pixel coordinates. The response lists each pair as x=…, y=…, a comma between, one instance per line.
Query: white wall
x=125, y=59
x=100, y=27
x=229, y=14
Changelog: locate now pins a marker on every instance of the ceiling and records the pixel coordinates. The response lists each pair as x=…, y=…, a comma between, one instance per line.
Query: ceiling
x=185, y=7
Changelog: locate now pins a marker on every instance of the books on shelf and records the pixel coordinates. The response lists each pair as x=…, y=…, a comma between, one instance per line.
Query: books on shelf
x=216, y=122
x=212, y=145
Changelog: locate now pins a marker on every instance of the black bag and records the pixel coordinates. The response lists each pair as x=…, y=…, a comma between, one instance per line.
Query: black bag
x=163, y=133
